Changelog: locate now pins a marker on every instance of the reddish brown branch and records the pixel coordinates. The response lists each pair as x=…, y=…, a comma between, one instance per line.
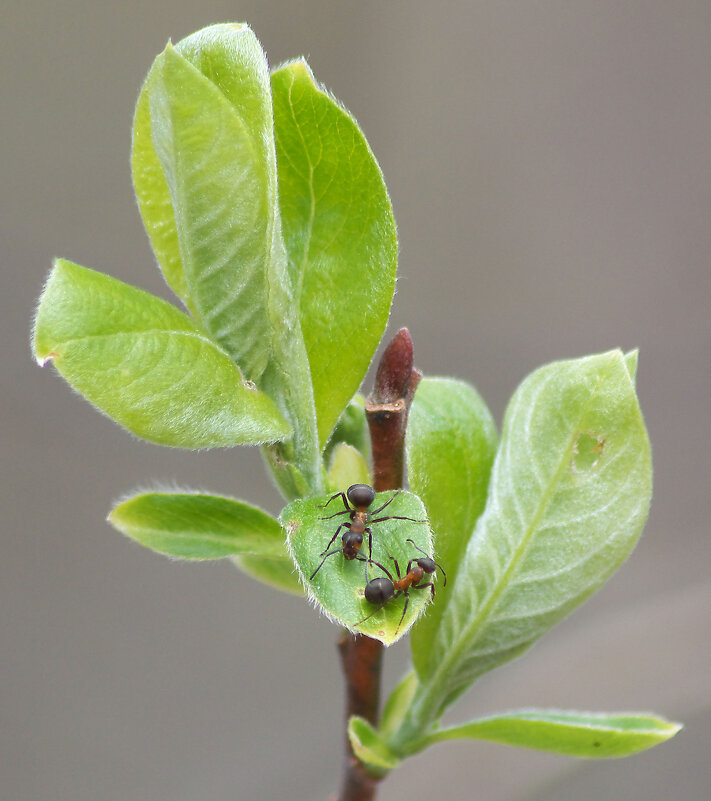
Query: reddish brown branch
x=361, y=660
x=387, y=408
x=361, y=657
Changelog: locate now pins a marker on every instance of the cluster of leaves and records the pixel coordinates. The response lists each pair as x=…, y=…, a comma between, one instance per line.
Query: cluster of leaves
x=528, y=527
x=270, y=221
x=269, y=218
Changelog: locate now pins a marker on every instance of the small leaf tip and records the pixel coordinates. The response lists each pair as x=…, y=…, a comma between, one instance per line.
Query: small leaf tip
x=42, y=360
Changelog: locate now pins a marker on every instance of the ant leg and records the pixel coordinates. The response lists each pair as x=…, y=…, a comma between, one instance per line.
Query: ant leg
x=397, y=517
x=333, y=538
x=390, y=500
x=424, y=586
x=337, y=495
x=370, y=544
x=331, y=553
x=382, y=567
x=397, y=566
x=336, y=515
x=367, y=617
x=404, y=609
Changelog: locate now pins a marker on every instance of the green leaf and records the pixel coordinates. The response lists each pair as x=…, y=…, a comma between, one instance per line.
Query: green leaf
x=204, y=169
x=215, y=160
x=195, y=526
x=451, y=443
x=578, y=734
x=339, y=584
x=154, y=201
x=397, y=704
x=147, y=365
x=347, y=467
x=569, y=494
x=277, y=573
x=351, y=428
x=370, y=748
x=339, y=233
x=631, y=360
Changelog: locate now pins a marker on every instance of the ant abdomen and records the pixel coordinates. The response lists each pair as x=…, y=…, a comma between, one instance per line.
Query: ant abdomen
x=379, y=590
x=361, y=495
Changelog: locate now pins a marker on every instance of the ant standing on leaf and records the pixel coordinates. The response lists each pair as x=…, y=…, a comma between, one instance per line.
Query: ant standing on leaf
x=381, y=590
x=361, y=496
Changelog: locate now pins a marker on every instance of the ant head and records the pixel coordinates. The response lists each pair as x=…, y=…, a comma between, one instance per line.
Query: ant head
x=360, y=495
x=427, y=564
x=352, y=540
x=379, y=590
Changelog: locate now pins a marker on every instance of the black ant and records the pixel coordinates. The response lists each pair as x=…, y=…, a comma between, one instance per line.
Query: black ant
x=361, y=497
x=381, y=590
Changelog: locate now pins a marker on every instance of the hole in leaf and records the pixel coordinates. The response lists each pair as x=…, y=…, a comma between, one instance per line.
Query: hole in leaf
x=587, y=451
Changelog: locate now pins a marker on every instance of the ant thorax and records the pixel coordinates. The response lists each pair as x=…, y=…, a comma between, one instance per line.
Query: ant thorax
x=358, y=522
x=413, y=576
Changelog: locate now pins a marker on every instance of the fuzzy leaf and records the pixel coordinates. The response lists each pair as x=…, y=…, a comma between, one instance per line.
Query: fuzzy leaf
x=154, y=201
x=397, y=704
x=339, y=584
x=206, y=183
x=196, y=526
x=569, y=494
x=147, y=365
x=451, y=443
x=351, y=428
x=370, y=748
x=631, y=361
x=339, y=232
x=578, y=734
x=347, y=467
x=277, y=573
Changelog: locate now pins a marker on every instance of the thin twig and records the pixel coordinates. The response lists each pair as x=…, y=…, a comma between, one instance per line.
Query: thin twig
x=361, y=657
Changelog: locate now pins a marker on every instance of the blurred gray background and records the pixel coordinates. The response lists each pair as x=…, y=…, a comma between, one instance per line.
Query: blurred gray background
x=549, y=167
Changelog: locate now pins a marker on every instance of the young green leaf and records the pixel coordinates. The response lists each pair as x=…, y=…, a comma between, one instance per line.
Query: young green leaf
x=204, y=169
x=277, y=573
x=631, y=360
x=370, y=748
x=220, y=180
x=339, y=232
x=351, y=428
x=338, y=584
x=568, y=497
x=451, y=443
x=194, y=526
x=347, y=467
x=147, y=365
x=397, y=704
x=578, y=734
x=155, y=203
